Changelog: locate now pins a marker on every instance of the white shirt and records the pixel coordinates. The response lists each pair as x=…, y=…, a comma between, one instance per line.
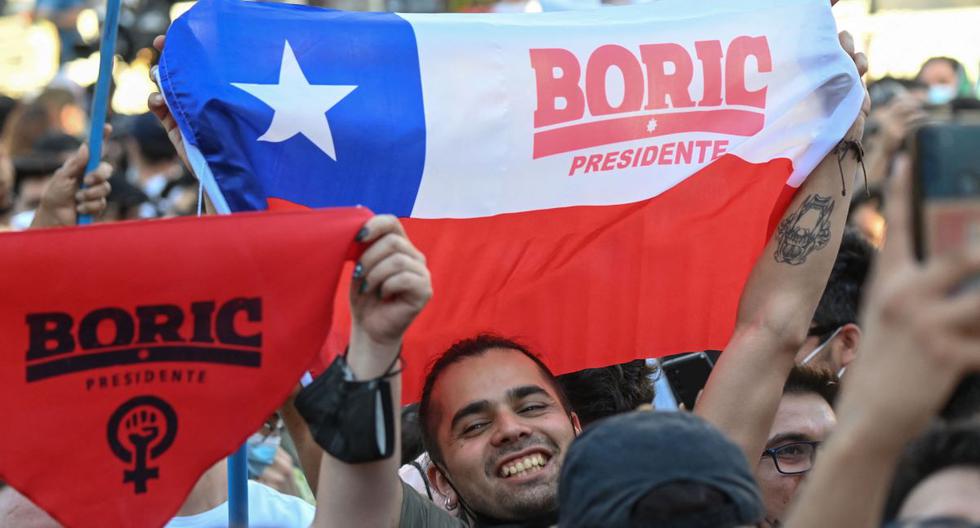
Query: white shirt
x=267, y=508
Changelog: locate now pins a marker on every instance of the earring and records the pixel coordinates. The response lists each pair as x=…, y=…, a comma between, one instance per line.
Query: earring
x=449, y=504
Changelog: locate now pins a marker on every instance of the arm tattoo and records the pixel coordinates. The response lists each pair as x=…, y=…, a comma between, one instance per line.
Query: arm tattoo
x=805, y=230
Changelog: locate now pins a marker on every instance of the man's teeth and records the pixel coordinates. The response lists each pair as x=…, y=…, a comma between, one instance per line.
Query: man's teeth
x=522, y=465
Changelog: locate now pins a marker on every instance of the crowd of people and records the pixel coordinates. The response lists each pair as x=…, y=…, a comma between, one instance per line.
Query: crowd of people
x=848, y=394
x=40, y=134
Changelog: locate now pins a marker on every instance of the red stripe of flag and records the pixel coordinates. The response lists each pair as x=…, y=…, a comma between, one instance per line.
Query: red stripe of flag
x=589, y=286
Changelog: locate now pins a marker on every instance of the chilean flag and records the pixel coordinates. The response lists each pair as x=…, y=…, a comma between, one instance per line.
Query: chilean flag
x=596, y=184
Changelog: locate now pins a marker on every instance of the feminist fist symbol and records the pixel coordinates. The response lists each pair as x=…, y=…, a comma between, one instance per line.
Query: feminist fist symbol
x=140, y=431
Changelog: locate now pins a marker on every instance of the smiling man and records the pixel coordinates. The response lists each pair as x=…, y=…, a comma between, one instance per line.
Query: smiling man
x=496, y=426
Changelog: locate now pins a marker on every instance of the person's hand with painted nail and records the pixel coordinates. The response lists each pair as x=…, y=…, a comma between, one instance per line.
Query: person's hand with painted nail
x=391, y=284
x=390, y=287
x=63, y=200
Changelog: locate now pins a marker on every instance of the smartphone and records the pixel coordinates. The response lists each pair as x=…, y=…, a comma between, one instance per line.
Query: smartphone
x=687, y=375
x=946, y=186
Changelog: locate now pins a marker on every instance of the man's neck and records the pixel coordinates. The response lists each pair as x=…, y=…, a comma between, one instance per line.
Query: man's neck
x=210, y=491
x=477, y=520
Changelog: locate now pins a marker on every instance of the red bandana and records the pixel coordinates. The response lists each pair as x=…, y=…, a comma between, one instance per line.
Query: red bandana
x=137, y=354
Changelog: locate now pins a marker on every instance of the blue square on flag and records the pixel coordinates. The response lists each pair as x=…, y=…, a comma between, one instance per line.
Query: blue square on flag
x=319, y=118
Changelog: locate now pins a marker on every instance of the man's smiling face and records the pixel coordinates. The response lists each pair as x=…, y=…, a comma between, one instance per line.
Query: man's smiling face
x=502, y=432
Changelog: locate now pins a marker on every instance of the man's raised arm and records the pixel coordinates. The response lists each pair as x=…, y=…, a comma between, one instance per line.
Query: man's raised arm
x=779, y=299
x=391, y=286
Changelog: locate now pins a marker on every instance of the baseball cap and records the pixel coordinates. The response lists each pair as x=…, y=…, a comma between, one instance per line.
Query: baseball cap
x=613, y=465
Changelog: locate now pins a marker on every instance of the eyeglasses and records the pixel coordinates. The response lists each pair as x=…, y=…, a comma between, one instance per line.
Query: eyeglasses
x=793, y=458
x=936, y=522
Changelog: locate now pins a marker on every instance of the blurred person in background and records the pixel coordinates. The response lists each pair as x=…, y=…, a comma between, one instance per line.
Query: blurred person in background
x=152, y=163
x=125, y=200
x=938, y=477
x=896, y=109
x=865, y=215
x=271, y=464
x=600, y=392
x=180, y=196
x=945, y=79
x=64, y=107
x=24, y=126
x=54, y=110
x=64, y=15
x=834, y=336
x=35, y=170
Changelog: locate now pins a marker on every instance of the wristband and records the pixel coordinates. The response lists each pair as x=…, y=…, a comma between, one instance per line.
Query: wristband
x=353, y=421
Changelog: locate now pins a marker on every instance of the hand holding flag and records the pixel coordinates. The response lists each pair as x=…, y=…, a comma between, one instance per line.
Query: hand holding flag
x=391, y=283
x=856, y=132
x=63, y=199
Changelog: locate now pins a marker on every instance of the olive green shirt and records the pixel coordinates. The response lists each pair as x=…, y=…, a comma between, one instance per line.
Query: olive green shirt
x=420, y=512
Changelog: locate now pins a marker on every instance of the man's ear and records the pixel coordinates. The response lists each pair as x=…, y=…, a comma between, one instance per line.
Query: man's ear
x=576, y=425
x=848, y=340
x=438, y=480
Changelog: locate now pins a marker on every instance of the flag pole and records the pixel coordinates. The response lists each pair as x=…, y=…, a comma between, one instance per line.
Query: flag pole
x=100, y=103
x=238, y=488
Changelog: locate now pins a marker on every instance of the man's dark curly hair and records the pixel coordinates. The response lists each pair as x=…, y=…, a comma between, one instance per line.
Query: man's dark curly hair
x=842, y=296
x=600, y=392
x=804, y=379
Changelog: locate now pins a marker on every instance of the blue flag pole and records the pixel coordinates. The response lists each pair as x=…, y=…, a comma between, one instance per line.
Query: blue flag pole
x=238, y=488
x=99, y=105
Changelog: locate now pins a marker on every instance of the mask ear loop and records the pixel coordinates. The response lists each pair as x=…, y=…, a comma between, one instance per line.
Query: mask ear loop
x=809, y=357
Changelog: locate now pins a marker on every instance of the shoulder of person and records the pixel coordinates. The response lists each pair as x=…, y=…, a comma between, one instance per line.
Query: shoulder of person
x=420, y=512
x=268, y=508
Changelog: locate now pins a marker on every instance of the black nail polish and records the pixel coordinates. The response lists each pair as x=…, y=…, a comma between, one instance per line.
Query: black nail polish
x=363, y=287
x=358, y=271
x=361, y=235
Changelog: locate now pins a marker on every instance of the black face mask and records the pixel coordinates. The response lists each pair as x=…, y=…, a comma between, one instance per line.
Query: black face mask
x=352, y=420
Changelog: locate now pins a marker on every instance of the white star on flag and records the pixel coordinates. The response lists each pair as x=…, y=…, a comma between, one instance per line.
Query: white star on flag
x=300, y=107
x=651, y=125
